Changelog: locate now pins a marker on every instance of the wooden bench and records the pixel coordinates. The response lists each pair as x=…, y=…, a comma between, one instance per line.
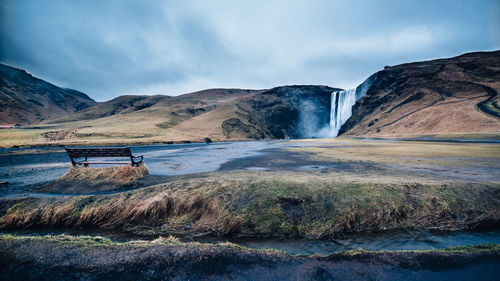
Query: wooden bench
x=86, y=152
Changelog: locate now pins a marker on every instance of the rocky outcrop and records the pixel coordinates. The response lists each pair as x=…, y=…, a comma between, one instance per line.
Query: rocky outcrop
x=233, y=127
x=445, y=96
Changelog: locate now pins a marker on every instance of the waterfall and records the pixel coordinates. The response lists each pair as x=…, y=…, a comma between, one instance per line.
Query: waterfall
x=341, y=103
x=341, y=109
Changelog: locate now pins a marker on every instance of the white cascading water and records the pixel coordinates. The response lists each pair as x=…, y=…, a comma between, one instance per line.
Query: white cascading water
x=341, y=103
x=341, y=109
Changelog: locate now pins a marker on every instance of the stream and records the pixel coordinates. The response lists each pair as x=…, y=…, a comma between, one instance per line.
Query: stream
x=412, y=240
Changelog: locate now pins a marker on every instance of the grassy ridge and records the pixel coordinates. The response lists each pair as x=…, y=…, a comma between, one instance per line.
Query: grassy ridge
x=265, y=208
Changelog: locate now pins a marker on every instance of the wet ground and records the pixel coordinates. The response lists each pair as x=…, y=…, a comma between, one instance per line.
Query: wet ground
x=277, y=159
x=25, y=169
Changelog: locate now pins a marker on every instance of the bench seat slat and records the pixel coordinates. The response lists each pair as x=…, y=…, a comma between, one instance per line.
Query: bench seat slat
x=83, y=152
x=103, y=162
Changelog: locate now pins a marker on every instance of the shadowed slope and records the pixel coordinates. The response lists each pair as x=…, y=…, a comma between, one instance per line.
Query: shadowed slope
x=25, y=99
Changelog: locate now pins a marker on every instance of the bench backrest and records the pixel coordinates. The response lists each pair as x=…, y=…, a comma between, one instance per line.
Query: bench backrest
x=99, y=152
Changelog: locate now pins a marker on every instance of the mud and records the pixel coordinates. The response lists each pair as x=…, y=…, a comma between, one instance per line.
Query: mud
x=276, y=159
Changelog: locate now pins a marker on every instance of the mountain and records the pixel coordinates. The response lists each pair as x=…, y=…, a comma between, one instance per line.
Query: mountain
x=218, y=114
x=25, y=99
x=446, y=96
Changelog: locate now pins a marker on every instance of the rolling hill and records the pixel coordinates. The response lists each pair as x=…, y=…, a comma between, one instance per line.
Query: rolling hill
x=25, y=99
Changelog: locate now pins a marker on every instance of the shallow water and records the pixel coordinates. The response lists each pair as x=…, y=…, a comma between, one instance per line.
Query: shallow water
x=198, y=158
x=35, y=166
x=420, y=240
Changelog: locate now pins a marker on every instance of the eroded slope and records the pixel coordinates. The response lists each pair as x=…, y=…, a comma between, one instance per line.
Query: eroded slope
x=446, y=96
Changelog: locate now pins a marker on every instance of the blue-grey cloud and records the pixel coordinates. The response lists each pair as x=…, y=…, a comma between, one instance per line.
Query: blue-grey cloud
x=108, y=48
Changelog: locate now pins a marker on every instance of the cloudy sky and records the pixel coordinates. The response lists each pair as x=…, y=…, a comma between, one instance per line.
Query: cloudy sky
x=115, y=47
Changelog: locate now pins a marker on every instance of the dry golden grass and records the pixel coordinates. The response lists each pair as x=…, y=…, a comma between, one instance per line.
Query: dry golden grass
x=355, y=197
x=400, y=152
x=12, y=137
x=159, y=207
x=90, y=180
x=118, y=174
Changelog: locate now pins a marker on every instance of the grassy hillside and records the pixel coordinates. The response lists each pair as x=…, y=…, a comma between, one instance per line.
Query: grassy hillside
x=446, y=96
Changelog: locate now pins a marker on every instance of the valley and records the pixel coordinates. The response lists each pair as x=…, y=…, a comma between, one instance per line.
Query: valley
x=258, y=183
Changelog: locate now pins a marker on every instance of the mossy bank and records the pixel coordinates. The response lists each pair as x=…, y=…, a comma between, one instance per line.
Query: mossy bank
x=244, y=204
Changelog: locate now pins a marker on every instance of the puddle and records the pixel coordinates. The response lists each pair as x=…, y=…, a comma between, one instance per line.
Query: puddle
x=312, y=167
x=257, y=169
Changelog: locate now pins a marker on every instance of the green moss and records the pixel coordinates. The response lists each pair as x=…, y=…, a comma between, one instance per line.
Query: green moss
x=293, y=208
x=473, y=248
x=65, y=239
x=459, y=249
x=183, y=220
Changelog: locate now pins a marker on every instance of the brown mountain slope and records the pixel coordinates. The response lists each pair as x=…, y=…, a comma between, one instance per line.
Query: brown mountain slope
x=273, y=113
x=446, y=96
x=25, y=99
x=146, y=118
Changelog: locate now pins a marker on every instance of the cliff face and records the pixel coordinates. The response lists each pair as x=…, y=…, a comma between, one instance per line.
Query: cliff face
x=25, y=99
x=289, y=111
x=445, y=96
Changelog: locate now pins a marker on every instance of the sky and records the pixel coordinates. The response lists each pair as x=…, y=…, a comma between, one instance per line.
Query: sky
x=116, y=47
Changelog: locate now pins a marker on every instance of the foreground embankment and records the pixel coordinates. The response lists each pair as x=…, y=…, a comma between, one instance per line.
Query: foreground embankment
x=279, y=205
x=97, y=258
